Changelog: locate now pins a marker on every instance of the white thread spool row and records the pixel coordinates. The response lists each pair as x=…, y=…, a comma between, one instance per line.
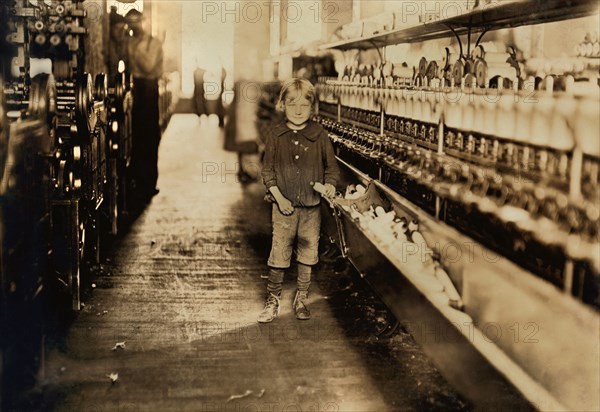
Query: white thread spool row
x=418, y=107
x=488, y=107
x=388, y=102
x=453, y=114
x=409, y=105
x=478, y=103
x=586, y=125
x=541, y=121
x=468, y=112
x=402, y=105
x=506, y=117
x=523, y=110
x=561, y=134
x=433, y=100
x=426, y=108
x=393, y=102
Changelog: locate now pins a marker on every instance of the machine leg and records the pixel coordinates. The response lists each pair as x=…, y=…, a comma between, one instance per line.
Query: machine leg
x=76, y=242
x=113, y=197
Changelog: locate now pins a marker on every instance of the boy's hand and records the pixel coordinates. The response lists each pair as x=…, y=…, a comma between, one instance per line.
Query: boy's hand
x=285, y=206
x=329, y=190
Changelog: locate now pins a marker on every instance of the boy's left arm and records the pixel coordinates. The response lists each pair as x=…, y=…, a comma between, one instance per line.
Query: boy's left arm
x=332, y=169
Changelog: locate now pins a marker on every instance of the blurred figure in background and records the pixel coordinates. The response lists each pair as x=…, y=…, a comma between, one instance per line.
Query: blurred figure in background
x=117, y=46
x=199, y=98
x=214, y=84
x=145, y=56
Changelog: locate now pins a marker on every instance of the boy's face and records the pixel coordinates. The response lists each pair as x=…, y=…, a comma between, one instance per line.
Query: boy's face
x=297, y=108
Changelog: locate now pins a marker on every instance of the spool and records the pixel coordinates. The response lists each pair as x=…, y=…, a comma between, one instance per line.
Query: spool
x=547, y=84
x=469, y=81
x=453, y=115
x=529, y=84
x=427, y=110
x=480, y=106
x=561, y=137
x=586, y=125
x=505, y=117
x=523, y=119
x=541, y=121
x=40, y=39
x=505, y=71
x=468, y=114
x=387, y=68
x=55, y=40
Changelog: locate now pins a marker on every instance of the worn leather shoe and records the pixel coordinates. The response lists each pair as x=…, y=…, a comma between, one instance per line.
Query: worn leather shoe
x=299, y=305
x=271, y=309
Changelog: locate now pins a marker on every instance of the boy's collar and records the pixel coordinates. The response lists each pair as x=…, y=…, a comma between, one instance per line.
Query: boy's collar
x=311, y=131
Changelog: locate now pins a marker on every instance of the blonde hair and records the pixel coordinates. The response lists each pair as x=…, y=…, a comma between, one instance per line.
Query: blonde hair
x=305, y=87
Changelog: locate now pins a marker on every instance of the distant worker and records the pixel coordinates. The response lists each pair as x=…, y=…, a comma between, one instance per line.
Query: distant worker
x=117, y=46
x=199, y=97
x=145, y=57
x=214, y=85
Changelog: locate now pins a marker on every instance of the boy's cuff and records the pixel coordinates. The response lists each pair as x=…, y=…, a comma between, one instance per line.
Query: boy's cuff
x=331, y=182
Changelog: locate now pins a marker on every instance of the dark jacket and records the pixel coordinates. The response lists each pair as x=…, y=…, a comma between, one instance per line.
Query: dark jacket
x=294, y=160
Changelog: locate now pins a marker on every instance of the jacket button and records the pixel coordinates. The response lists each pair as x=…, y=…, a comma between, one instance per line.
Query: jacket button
x=296, y=157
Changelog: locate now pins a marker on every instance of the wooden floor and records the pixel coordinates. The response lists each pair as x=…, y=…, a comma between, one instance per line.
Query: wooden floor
x=182, y=289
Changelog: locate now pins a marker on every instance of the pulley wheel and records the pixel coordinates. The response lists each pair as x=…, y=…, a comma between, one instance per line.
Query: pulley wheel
x=100, y=87
x=42, y=105
x=84, y=104
x=458, y=71
x=481, y=72
x=432, y=70
x=423, y=66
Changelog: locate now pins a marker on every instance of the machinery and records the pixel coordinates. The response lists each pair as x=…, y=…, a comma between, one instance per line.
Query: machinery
x=500, y=169
x=65, y=144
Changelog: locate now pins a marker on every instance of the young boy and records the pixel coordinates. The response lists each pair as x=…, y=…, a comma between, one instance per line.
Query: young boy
x=298, y=153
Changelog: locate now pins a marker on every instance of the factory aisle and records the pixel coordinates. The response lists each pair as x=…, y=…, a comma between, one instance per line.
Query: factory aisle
x=174, y=314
